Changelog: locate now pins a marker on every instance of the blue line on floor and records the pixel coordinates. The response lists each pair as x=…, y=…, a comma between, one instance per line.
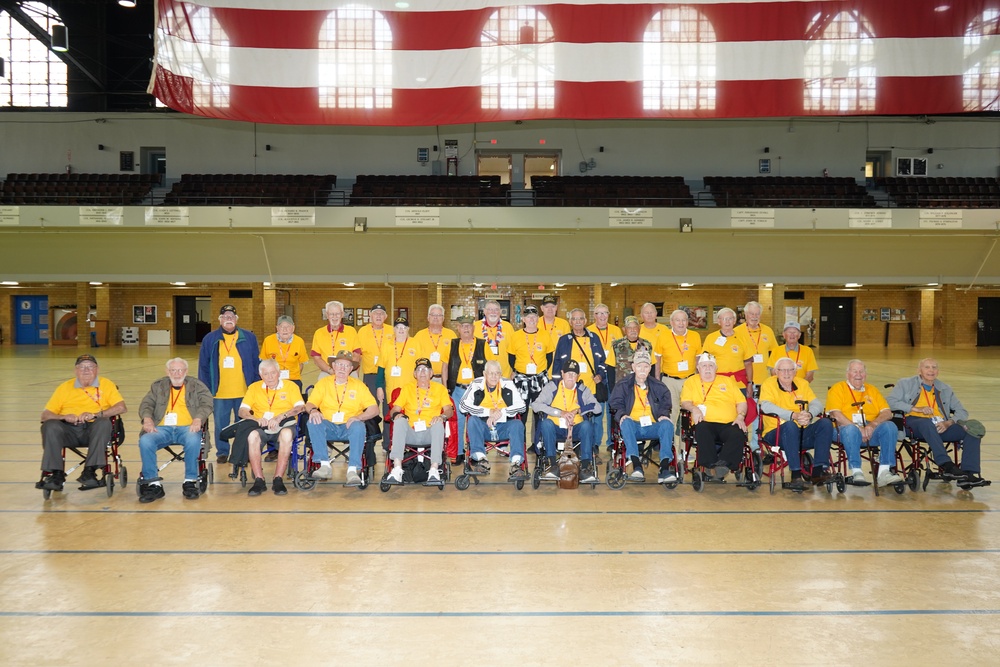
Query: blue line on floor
x=559, y=512
x=595, y=552
x=494, y=614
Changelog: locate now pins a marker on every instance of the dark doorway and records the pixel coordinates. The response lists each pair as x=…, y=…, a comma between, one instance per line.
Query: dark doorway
x=989, y=321
x=186, y=320
x=836, y=320
x=31, y=324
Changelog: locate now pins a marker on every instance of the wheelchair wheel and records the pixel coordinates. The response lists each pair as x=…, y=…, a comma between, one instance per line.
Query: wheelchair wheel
x=697, y=481
x=123, y=476
x=899, y=488
x=109, y=484
x=211, y=474
x=774, y=483
x=841, y=483
x=46, y=494
x=519, y=484
x=913, y=479
x=462, y=482
x=203, y=481
x=615, y=479
x=927, y=477
x=366, y=476
x=383, y=485
x=303, y=482
x=243, y=477
x=536, y=478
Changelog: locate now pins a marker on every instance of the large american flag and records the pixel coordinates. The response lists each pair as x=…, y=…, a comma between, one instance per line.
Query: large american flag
x=440, y=62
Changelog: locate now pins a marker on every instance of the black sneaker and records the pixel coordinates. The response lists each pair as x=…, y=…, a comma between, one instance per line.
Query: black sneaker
x=950, y=471
x=259, y=487
x=278, y=486
x=54, y=481
x=151, y=492
x=587, y=474
x=191, y=490
x=88, y=479
x=798, y=483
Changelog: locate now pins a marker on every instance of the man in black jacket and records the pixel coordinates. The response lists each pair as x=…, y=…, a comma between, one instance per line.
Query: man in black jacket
x=466, y=360
x=641, y=406
x=493, y=403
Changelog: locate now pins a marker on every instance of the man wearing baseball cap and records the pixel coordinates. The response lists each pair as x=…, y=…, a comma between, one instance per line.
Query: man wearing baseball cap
x=641, y=405
x=372, y=336
x=434, y=341
x=802, y=355
x=419, y=414
x=568, y=404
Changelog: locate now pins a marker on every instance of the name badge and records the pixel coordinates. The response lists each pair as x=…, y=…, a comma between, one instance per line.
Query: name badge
x=375, y=360
x=466, y=373
x=937, y=420
x=419, y=426
x=758, y=358
x=858, y=418
x=494, y=349
x=268, y=415
x=502, y=418
x=170, y=419
x=704, y=410
x=395, y=371
x=531, y=369
x=229, y=362
x=645, y=420
x=607, y=353
x=435, y=356
x=720, y=341
x=337, y=417
x=562, y=422
x=682, y=365
x=285, y=374
x=583, y=367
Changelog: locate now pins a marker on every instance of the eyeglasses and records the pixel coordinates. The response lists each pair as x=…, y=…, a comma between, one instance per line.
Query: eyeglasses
x=87, y=368
x=784, y=370
x=176, y=370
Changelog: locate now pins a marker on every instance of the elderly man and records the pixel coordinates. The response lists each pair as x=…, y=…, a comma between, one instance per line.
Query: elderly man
x=287, y=349
x=805, y=360
x=935, y=415
x=796, y=406
x=333, y=338
x=371, y=337
x=641, y=404
x=496, y=333
x=419, y=415
x=759, y=340
x=78, y=415
x=338, y=407
x=227, y=364
x=566, y=402
x=434, y=342
x=676, y=351
x=608, y=334
x=492, y=402
x=173, y=411
x=718, y=410
x=651, y=330
x=627, y=346
x=466, y=361
x=585, y=348
x=397, y=361
x=271, y=403
x=863, y=416
x=530, y=355
x=552, y=326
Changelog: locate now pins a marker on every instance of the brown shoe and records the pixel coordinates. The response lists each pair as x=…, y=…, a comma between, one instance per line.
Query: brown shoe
x=272, y=456
x=222, y=460
x=819, y=479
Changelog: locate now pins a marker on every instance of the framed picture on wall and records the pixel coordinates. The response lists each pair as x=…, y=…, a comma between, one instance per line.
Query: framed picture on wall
x=403, y=312
x=349, y=316
x=697, y=316
x=143, y=314
x=361, y=317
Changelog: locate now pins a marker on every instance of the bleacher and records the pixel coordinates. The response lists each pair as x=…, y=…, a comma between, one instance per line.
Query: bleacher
x=62, y=189
x=611, y=191
x=419, y=190
x=942, y=192
x=788, y=191
x=251, y=190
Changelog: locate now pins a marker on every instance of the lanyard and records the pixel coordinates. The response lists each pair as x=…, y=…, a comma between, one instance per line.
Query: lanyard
x=565, y=397
x=704, y=392
x=932, y=401
x=420, y=402
x=396, y=351
x=340, y=397
x=378, y=342
x=334, y=340
x=640, y=393
x=431, y=336
x=494, y=395
x=756, y=343
x=798, y=351
x=604, y=338
x=174, y=399
x=95, y=399
x=270, y=401
x=854, y=399
x=678, y=345
x=531, y=346
x=225, y=342
x=462, y=349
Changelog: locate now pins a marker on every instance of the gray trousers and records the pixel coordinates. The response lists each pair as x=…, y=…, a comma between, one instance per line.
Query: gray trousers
x=403, y=435
x=57, y=434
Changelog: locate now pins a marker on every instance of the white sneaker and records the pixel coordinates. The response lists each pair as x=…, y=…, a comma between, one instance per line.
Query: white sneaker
x=858, y=478
x=666, y=477
x=353, y=478
x=637, y=475
x=433, y=476
x=886, y=476
x=324, y=471
x=515, y=460
x=396, y=476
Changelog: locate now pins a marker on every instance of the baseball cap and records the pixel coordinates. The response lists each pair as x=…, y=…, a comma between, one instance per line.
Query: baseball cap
x=548, y=299
x=529, y=310
x=631, y=319
x=795, y=325
x=402, y=320
x=228, y=308
x=571, y=366
x=85, y=357
x=378, y=306
x=465, y=319
x=641, y=357
x=422, y=361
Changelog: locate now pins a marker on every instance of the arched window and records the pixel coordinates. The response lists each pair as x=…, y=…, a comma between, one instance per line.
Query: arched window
x=981, y=81
x=518, y=60
x=200, y=32
x=355, y=61
x=35, y=76
x=678, y=60
x=839, y=68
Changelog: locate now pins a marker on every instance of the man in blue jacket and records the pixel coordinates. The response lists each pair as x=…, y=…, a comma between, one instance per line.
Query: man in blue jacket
x=584, y=347
x=568, y=407
x=227, y=363
x=641, y=407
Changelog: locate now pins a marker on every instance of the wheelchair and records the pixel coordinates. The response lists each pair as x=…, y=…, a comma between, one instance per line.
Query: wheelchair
x=869, y=453
x=416, y=458
x=922, y=468
x=114, y=468
x=748, y=474
x=206, y=471
x=776, y=461
x=469, y=475
x=303, y=479
x=239, y=470
x=614, y=473
x=541, y=458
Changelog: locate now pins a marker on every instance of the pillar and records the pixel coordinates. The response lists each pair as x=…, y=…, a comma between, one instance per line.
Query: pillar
x=765, y=297
x=82, y=308
x=777, y=319
x=270, y=312
x=257, y=323
x=926, y=324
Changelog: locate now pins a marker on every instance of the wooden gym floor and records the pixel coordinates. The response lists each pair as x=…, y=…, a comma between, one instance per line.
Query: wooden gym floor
x=498, y=576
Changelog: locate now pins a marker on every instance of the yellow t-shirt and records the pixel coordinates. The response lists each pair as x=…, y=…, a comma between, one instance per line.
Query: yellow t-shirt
x=640, y=407
x=771, y=391
x=422, y=404
x=326, y=343
x=677, y=353
x=261, y=400
x=585, y=358
x=729, y=352
x=842, y=397
x=720, y=397
x=565, y=400
x=803, y=357
x=607, y=337
x=232, y=384
x=177, y=404
x=351, y=398
x=530, y=348
x=371, y=342
x=653, y=335
x=399, y=361
x=69, y=399
x=493, y=399
x=290, y=356
x=758, y=343
x=465, y=373
x=436, y=347
x=497, y=341
x=926, y=399
x=554, y=331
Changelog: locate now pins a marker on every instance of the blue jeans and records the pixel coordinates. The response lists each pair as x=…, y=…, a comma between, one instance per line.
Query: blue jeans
x=150, y=443
x=456, y=396
x=661, y=430
x=326, y=431
x=883, y=437
x=552, y=434
x=512, y=430
x=225, y=410
x=794, y=440
x=923, y=428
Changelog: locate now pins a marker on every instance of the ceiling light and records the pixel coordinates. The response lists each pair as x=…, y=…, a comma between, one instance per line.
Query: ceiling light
x=60, y=37
x=95, y=283
x=942, y=8
x=614, y=284
x=687, y=284
x=8, y=283
x=768, y=284
x=127, y=3
x=853, y=285
x=932, y=284
x=178, y=284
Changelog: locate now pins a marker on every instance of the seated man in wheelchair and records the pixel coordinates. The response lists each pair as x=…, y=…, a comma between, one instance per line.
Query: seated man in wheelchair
x=338, y=408
x=419, y=414
x=173, y=412
x=569, y=406
x=863, y=416
x=78, y=415
x=492, y=403
x=641, y=405
x=935, y=415
x=718, y=410
x=796, y=406
x=272, y=403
